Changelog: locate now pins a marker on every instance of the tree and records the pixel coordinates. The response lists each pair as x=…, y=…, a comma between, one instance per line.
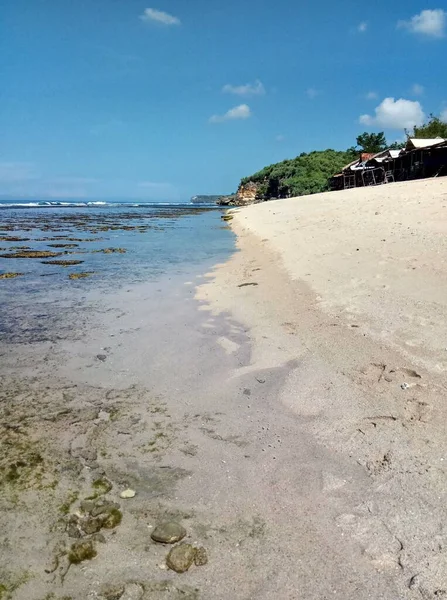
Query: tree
x=434, y=128
x=305, y=174
x=396, y=146
x=372, y=142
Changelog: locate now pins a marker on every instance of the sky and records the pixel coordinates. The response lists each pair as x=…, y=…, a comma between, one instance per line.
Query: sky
x=165, y=99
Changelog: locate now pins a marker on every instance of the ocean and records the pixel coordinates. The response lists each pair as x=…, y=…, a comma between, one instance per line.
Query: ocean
x=110, y=242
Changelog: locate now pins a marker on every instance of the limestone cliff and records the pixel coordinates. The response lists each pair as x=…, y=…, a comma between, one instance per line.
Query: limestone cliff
x=246, y=194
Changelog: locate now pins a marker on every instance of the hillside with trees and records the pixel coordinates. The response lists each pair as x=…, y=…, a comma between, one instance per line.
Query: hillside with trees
x=308, y=173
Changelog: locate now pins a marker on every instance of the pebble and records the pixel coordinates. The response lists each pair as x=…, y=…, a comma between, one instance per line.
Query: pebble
x=168, y=533
x=128, y=494
x=181, y=557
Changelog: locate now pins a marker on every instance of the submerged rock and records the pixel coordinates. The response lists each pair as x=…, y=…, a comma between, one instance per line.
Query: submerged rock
x=80, y=275
x=181, y=557
x=103, y=508
x=10, y=275
x=112, y=592
x=91, y=525
x=168, y=533
x=62, y=263
x=31, y=254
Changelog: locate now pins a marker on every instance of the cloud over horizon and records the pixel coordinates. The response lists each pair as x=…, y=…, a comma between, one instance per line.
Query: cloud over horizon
x=395, y=114
x=242, y=111
x=158, y=16
x=431, y=23
x=249, y=89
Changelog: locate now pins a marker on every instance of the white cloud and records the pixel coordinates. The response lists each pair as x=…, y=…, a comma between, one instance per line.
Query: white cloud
x=417, y=90
x=238, y=112
x=151, y=14
x=396, y=114
x=249, y=89
x=312, y=93
x=362, y=27
x=443, y=115
x=431, y=23
x=371, y=96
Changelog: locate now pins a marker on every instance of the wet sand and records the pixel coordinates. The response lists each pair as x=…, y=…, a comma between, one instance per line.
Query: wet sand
x=274, y=427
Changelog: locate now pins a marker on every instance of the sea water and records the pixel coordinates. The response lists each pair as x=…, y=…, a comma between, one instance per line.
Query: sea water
x=114, y=245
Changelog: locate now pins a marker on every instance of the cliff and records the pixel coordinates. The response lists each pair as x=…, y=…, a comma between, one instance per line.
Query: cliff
x=247, y=193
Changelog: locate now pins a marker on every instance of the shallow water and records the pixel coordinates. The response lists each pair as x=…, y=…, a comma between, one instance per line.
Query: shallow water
x=147, y=241
x=142, y=243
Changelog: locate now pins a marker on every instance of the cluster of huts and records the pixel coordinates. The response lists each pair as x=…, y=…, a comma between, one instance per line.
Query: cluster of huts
x=420, y=158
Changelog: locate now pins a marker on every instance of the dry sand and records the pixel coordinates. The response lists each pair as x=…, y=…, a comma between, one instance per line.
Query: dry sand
x=347, y=293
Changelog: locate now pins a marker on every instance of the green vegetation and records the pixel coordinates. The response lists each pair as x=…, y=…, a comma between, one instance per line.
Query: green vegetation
x=305, y=174
x=434, y=128
x=308, y=173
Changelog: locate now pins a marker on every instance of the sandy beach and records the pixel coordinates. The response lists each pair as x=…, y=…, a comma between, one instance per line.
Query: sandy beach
x=287, y=409
x=346, y=291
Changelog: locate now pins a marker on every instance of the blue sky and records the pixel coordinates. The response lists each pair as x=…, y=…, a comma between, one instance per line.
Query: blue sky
x=163, y=99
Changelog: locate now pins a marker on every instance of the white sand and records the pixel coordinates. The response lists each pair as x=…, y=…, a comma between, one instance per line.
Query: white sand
x=350, y=299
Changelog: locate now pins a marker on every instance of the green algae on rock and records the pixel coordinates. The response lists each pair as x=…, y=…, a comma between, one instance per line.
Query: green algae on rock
x=80, y=551
x=101, y=486
x=65, y=507
x=112, y=518
x=168, y=533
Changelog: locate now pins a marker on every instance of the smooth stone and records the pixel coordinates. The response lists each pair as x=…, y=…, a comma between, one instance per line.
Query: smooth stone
x=201, y=557
x=168, y=533
x=128, y=494
x=181, y=557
